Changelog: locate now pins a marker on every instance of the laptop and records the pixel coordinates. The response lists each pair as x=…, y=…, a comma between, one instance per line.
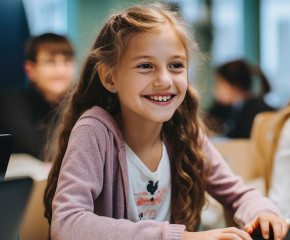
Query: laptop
x=6, y=143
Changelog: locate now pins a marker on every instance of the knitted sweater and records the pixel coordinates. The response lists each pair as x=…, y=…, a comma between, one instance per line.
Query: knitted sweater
x=91, y=200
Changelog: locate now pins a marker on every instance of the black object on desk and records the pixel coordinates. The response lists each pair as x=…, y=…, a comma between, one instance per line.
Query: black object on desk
x=14, y=194
x=260, y=237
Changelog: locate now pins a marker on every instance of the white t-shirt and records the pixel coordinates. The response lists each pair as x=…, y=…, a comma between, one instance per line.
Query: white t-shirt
x=149, y=192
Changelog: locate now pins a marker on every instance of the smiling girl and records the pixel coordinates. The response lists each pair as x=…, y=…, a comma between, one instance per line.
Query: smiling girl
x=131, y=160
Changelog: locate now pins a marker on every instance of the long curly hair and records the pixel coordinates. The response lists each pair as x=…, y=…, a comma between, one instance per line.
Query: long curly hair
x=189, y=179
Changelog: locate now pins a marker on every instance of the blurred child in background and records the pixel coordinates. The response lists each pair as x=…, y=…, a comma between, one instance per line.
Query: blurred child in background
x=25, y=113
x=238, y=91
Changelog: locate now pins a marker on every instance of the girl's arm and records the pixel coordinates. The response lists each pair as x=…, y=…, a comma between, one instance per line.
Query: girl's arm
x=246, y=204
x=81, y=189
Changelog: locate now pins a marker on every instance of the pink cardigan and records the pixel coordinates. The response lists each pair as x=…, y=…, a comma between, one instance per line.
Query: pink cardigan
x=91, y=200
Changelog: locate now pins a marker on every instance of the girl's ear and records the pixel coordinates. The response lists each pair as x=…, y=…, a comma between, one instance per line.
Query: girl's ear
x=107, y=78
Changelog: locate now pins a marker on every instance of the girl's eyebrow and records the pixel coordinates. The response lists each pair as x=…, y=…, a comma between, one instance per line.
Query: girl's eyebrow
x=179, y=56
x=151, y=57
x=141, y=57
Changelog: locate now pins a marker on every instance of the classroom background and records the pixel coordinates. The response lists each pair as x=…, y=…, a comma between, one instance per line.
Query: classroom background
x=258, y=31
x=255, y=30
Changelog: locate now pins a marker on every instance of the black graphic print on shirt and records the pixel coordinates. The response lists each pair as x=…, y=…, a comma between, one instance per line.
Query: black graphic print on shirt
x=148, y=203
x=151, y=188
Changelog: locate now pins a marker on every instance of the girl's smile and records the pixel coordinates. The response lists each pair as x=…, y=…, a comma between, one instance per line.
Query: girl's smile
x=161, y=98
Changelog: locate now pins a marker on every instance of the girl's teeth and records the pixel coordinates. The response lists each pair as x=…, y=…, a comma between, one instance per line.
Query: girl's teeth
x=160, y=98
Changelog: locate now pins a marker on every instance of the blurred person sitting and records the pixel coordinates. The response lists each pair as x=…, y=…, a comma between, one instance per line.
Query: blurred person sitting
x=26, y=113
x=238, y=97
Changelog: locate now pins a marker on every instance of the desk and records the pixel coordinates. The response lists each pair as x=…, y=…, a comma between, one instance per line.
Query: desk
x=25, y=165
x=33, y=226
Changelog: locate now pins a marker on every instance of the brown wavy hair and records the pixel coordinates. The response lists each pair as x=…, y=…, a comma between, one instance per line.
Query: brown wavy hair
x=189, y=181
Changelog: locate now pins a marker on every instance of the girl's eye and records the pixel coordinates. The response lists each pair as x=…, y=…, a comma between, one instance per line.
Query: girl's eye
x=176, y=65
x=145, y=66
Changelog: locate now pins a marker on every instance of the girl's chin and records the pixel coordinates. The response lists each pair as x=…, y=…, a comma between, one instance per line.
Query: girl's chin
x=163, y=119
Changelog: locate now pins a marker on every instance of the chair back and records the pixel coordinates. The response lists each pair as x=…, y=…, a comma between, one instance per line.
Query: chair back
x=264, y=139
x=236, y=153
x=34, y=225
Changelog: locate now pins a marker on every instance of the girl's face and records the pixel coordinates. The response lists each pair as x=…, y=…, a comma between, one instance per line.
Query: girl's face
x=151, y=79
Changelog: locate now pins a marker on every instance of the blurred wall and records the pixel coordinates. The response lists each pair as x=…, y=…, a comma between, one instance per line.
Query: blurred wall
x=252, y=30
x=14, y=33
x=85, y=19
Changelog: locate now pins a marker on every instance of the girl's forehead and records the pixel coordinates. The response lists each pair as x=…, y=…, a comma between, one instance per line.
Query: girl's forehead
x=165, y=31
x=162, y=37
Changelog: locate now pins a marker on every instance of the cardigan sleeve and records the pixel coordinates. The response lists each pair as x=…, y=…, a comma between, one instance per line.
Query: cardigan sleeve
x=80, y=183
x=244, y=203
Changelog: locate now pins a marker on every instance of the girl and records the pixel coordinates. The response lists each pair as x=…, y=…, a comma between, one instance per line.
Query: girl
x=131, y=160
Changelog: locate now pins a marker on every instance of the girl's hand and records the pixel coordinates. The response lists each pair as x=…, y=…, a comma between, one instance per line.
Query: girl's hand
x=230, y=233
x=262, y=224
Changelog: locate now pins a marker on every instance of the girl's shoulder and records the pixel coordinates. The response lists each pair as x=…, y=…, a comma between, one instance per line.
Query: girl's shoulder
x=96, y=116
x=99, y=120
x=96, y=113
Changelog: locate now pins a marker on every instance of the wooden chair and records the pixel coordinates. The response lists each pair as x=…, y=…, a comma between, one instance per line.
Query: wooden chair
x=252, y=159
x=264, y=139
x=237, y=153
x=239, y=156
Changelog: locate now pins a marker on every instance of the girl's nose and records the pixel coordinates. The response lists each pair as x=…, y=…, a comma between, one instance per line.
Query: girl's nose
x=163, y=78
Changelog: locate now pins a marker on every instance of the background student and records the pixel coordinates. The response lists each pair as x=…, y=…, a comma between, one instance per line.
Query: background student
x=130, y=158
x=239, y=91
x=25, y=113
